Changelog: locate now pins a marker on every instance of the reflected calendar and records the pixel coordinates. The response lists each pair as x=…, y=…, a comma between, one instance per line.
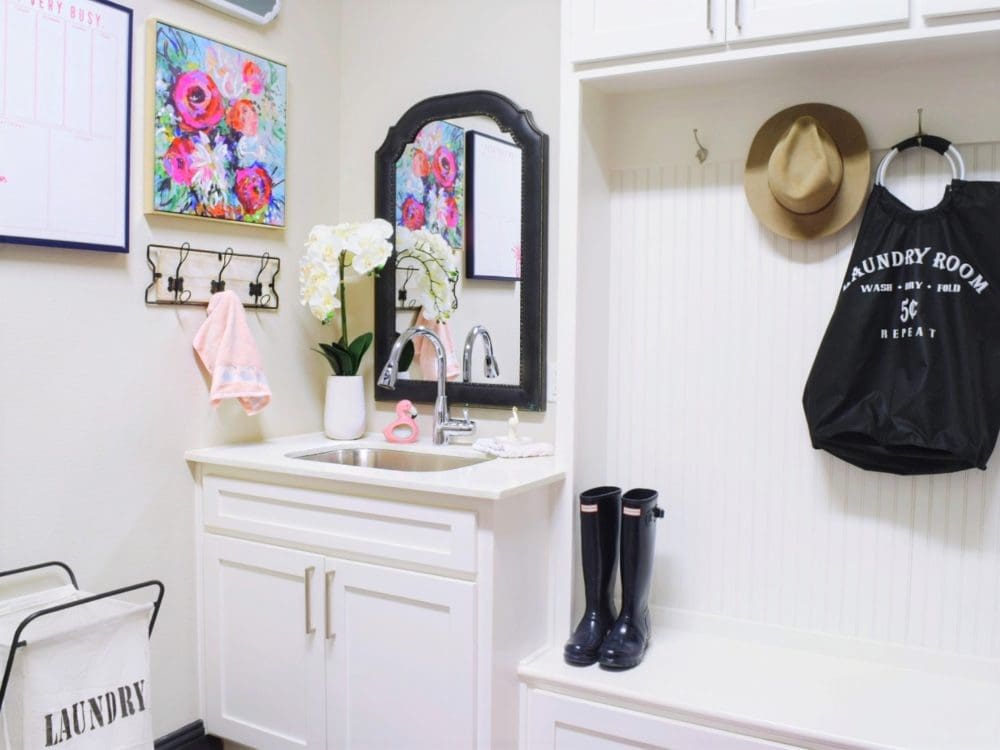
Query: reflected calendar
x=65, y=74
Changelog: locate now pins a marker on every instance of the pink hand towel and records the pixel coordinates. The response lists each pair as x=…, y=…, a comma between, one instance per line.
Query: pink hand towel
x=426, y=357
x=229, y=353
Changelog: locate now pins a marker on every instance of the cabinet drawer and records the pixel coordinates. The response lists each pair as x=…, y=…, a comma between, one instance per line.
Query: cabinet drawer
x=440, y=538
x=557, y=722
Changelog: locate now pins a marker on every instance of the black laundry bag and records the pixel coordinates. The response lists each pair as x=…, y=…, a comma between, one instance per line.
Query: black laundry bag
x=907, y=377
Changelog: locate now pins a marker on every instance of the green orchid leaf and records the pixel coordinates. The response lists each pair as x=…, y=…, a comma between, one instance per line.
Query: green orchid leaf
x=358, y=348
x=339, y=359
x=406, y=356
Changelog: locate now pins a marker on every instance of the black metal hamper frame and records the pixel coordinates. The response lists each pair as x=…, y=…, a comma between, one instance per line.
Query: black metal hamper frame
x=18, y=643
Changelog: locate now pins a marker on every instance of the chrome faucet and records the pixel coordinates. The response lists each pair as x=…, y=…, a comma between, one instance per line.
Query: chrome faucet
x=490, y=368
x=444, y=425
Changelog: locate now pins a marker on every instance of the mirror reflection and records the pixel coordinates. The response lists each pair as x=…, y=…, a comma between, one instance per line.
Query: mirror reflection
x=463, y=180
x=458, y=241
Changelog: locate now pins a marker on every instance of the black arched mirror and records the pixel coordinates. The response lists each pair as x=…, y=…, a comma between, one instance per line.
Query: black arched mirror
x=471, y=169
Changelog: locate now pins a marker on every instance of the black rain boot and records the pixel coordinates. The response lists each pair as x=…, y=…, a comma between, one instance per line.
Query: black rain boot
x=600, y=516
x=625, y=645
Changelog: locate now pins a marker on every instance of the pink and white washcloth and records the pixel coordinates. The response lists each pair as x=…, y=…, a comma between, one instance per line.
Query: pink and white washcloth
x=229, y=353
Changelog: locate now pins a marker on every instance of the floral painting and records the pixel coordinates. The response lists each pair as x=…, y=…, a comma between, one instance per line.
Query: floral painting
x=219, y=130
x=430, y=182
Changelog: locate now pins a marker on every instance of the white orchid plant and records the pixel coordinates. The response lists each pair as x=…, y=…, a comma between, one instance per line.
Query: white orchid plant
x=433, y=257
x=335, y=256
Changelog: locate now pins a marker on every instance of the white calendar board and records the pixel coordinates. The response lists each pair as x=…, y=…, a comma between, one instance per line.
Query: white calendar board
x=493, y=200
x=64, y=123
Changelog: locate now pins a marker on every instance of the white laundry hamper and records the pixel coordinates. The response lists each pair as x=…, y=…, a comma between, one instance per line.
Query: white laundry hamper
x=75, y=668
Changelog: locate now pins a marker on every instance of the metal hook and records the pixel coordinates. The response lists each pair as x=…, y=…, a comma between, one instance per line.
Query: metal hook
x=225, y=258
x=175, y=283
x=402, y=295
x=702, y=153
x=256, y=287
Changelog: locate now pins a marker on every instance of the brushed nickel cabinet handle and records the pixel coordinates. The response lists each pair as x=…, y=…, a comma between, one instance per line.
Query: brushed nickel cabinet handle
x=326, y=606
x=708, y=17
x=309, y=615
x=739, y=15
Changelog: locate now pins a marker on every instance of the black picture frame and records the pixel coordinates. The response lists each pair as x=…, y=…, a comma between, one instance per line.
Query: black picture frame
x=473, y=166
x=15, y=239
x=529, y=394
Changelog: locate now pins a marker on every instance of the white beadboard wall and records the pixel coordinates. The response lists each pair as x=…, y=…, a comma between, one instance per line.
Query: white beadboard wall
x=714, y=322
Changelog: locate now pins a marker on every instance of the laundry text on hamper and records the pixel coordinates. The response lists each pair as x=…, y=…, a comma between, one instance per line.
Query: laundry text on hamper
x=94, y=713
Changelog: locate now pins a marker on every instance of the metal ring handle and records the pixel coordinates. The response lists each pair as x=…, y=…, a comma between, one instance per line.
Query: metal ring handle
x=953, y=156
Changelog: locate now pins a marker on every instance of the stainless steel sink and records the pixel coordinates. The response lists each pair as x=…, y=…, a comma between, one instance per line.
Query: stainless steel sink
x=381, y=458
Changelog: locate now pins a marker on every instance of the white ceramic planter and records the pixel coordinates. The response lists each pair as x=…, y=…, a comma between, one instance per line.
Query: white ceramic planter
x=344, y=409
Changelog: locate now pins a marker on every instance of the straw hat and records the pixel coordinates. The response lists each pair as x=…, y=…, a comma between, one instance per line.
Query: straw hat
x=807, y=171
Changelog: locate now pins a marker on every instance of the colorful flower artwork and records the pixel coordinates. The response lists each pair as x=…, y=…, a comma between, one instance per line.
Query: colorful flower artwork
x=219, y=130
x=430, y=182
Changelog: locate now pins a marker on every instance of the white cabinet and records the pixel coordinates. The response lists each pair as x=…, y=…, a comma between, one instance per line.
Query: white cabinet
x=310, y=652
x=613, y=28
x=400, y=664
x=602, y=29
x=760, y=19
x=265, y=676
x=932, y=8
x=366, y=618
x=557, y=722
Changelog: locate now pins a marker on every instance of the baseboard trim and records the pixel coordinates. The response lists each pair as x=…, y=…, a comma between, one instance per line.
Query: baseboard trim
x=190, y=737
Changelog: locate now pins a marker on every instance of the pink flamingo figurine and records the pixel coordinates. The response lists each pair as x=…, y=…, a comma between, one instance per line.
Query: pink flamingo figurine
x=404, y=429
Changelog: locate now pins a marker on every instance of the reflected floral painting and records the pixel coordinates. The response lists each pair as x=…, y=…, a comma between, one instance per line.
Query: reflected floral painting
x=430, y=182
x=219, y=130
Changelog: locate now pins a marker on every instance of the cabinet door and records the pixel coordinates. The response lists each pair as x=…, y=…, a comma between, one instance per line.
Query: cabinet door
x=264, y=670
x=757, y=19
x=400, y=659
x=614, y=28
x=932, y=8
x=557, y=722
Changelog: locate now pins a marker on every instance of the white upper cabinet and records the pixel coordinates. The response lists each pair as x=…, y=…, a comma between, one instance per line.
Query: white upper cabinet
x=616, y=28
x=759, y=19
x=933, y=8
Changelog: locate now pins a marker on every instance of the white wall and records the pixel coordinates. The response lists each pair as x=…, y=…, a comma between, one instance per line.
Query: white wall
x=394, y=54
x=102, y=394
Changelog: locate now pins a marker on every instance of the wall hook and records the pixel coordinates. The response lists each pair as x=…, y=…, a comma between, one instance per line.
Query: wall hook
x=225, y=258
x=175, y=283
x=702, y=153
x=199, y=283
x=257, y=287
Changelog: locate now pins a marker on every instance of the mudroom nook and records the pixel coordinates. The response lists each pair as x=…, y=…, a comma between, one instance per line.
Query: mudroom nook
x=797, y=601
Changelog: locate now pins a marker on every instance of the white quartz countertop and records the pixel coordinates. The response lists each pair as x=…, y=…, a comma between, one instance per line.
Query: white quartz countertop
x=488, y=480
